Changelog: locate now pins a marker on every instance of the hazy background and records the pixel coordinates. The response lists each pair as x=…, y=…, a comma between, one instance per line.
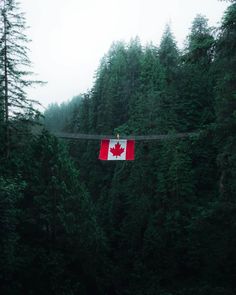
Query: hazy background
x=69, y=37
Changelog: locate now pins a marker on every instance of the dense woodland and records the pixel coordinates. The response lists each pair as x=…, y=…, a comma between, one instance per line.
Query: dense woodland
x=164, y=224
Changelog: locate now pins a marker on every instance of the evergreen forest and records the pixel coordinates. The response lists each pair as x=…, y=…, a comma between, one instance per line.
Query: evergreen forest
x=163, y=224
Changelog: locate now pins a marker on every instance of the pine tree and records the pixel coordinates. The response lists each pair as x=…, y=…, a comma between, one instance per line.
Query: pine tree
x=14, y=61
x=196, y=104
x=143, y=115
x=196, y=108
x=169, y=60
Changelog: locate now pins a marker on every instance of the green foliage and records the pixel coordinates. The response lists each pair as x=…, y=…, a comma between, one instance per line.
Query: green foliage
x=14, y=60
x=14, y=73
x=10, y=196
x=61, y=117
x=225, y=106
x=197, y=108
x=60, y=215
x=162, y=224
x=163, y=214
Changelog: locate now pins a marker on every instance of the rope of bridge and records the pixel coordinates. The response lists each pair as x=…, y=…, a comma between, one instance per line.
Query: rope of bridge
x=78, y=136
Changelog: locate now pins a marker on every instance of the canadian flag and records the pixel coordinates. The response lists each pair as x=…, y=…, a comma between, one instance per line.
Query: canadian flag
x=117, y=149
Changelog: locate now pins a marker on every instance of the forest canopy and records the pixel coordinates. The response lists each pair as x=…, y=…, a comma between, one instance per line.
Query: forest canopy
x=163, y=224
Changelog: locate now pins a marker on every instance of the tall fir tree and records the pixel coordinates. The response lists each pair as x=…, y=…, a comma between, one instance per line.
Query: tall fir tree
x=14, y=70
x=169, y=61
x=196, y=107
x=196, y=104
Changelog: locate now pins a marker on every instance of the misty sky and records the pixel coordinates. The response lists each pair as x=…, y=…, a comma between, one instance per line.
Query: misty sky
x=69, y=37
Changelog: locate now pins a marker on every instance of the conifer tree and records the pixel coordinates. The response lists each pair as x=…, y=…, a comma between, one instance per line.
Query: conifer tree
x=14, y=69
x=169, y=61
x=196, y=105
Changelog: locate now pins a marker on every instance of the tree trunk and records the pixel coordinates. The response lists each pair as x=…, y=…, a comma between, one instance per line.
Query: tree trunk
x=6, y=111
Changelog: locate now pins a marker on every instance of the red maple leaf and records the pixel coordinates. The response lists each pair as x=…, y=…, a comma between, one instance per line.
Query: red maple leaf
x=117, y=150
